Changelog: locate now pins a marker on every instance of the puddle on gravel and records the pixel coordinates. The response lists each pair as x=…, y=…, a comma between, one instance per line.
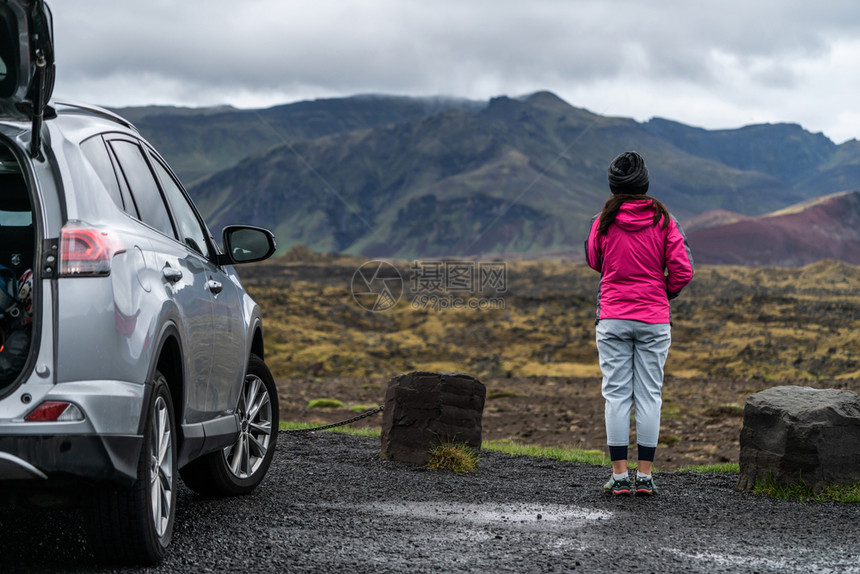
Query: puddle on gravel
x=525, y=515
x=802, y=560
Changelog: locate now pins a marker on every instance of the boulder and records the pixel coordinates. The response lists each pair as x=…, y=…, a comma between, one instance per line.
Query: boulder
x=801, y=435
x=425, y=409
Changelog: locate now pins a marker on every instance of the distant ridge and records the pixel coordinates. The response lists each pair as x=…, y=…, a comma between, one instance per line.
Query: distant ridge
x=822, y=228
x=199, y=142
x=712, y=219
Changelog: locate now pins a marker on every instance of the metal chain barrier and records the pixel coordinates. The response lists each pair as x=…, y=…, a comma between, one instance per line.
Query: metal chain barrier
x=363, y=415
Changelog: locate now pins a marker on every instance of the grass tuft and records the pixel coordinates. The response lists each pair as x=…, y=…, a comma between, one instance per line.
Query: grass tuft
x=725, y=468
x=457, y=457
x=668, y=439
x=293, y=425
x=556, y=453
x=726, y=410
x=362, y=408
x=325, y=404
x=358, y=431
x=501, y=394
x=803, y=493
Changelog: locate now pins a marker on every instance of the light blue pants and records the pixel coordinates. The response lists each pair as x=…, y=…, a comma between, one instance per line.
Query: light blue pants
x=632, y=356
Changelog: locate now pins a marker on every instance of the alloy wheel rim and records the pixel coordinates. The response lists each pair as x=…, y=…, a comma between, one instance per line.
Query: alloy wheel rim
x=246, y=455
x=161, y=466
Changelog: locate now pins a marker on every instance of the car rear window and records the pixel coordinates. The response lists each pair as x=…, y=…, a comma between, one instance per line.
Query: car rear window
x=143, y=187
x=96, y=153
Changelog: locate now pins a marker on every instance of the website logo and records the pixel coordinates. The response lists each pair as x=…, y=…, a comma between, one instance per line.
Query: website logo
x=377, y=286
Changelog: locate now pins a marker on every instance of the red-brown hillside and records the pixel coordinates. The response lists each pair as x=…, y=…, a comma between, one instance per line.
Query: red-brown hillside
x=714, y=218
x=824, y=228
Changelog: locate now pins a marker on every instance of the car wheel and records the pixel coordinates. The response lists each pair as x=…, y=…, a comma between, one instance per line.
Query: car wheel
x=240, y=467
x=135, y=524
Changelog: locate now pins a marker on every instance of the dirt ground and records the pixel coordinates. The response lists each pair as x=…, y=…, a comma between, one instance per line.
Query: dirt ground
x=701, y=418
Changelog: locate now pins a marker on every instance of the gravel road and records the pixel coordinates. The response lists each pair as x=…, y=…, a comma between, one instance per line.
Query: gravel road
x=331, y=504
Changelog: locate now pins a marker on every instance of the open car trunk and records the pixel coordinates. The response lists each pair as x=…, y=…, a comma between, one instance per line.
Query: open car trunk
x=26, y=84
x=17, y=253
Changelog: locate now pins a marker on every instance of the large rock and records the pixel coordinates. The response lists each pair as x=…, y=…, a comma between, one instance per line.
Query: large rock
x=423, y=410
x=800, y=434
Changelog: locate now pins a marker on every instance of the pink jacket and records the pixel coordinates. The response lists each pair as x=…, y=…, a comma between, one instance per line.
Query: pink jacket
x=642, y=265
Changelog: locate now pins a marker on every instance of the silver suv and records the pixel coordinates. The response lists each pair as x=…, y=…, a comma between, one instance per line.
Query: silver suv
x=131, y=352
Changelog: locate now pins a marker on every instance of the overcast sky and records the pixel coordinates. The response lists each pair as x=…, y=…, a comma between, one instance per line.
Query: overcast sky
x=715, y=64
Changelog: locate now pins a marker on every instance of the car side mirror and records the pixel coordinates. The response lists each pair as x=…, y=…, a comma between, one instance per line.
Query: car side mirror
x=246, y=244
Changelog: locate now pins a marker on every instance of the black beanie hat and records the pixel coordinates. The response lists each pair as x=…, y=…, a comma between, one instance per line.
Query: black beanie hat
x=628, y=174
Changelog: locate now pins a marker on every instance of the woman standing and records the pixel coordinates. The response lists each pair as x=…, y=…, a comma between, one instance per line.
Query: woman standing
x=643, y=257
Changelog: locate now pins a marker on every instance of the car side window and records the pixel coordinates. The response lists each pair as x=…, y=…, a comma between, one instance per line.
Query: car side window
x=96, y=153
x=143, y=186
x=193, y=233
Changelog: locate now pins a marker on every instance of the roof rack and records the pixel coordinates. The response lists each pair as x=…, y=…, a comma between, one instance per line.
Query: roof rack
x=95, y=110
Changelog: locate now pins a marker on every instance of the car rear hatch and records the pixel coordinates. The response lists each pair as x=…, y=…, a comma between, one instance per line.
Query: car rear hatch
x=26, y=62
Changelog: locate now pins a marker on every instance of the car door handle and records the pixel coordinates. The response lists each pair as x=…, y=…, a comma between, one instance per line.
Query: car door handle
x=171, y=274
x=214, y=286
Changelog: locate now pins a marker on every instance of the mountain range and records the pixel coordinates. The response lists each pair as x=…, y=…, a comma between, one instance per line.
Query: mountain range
x=401, y=177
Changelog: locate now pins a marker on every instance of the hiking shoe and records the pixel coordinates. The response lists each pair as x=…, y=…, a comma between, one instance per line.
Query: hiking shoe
x=645, y=487
x=618, y=487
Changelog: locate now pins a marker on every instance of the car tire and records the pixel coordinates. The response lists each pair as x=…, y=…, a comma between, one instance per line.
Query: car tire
x=240, y=467
x=134, y=525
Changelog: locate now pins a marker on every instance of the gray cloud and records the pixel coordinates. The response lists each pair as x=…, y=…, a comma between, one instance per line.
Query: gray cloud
x=215, y=51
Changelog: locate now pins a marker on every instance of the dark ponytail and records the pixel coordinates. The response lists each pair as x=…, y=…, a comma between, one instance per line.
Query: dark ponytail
x=614, y=203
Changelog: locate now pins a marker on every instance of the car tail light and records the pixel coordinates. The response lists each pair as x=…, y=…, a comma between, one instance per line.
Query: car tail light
x=86, y=251
x=55, y=411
